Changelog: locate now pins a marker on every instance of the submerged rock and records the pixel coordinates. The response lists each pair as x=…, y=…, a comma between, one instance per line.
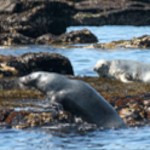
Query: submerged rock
x=30, y=62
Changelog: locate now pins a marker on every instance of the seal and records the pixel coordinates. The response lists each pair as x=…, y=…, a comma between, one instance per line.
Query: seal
x=126, y=71
x=75, y=96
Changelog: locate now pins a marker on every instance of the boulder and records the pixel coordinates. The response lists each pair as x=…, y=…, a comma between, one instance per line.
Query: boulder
x=79, y=36
x=34, y=18
x=30, y=62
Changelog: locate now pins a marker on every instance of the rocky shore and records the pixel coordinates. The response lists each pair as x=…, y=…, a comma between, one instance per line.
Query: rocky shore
x=25, y=108
x=44, y=22
x=39, y=22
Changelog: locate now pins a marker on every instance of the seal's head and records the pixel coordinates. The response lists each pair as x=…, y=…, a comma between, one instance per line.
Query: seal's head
x=102, y=68
x=29, y=80
x=43, y=81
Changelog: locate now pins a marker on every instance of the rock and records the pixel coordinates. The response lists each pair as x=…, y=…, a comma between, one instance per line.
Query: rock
x=46, y=39
x=34, y=18
x=6, y=70
x=30, y=62
x=38, y=22
x=12, y=39
x=33, y=118
x=79, y=36
x=132, y=103
x=4, y=114
x=8, y=6
x=73, y=37
x=139, y=42
x=116, y=12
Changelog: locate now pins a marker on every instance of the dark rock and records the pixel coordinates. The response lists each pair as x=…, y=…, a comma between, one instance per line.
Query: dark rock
x=46, y=39
x=34, y=18
x=73, y=37
x=15, y=117
x=31, y=62
x=12, y=39
x=79, y=36
x=38, y=22
x=4, y=113
x=116, y=12
x=141, y=42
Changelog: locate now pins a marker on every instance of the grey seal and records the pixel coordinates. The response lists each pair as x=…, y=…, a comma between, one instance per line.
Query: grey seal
x=75, y=96
x=126, y=71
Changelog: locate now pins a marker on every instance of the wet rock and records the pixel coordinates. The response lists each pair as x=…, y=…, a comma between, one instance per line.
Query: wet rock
x=34, y=118
x=139, y=42
x=30, y=62
x=15, y=118
x=38, y=119
x=132, y=104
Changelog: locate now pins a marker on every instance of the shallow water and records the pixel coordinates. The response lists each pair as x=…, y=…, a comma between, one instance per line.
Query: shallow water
x=127, y=139
x=83, y=61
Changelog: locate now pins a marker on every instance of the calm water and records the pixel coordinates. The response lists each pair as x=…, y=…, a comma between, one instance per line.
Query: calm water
x=83, y=61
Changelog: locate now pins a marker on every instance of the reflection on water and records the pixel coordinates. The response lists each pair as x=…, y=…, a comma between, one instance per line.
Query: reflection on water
x=83, y=61
x=128, y=139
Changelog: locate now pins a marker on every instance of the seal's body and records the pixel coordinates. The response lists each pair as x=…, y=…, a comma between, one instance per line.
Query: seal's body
x=76, y=96
x=124, y=70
